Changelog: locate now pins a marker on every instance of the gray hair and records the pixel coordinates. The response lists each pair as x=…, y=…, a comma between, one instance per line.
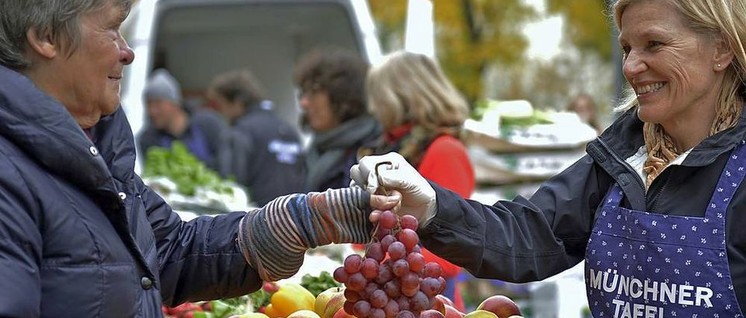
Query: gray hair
x=58, y=19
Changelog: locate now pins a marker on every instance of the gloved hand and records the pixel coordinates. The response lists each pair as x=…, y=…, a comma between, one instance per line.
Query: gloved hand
x=393, y=172
x=274, y=239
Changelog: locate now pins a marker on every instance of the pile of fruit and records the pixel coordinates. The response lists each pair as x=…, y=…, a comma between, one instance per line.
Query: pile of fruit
x=391, y=280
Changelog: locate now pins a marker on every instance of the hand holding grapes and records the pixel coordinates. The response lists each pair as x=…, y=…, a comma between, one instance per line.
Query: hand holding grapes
x=393, y=172
x=274, y=239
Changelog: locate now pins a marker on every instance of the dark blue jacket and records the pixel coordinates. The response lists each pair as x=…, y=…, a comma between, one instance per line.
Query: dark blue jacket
x=81, y=236
x=264, y=154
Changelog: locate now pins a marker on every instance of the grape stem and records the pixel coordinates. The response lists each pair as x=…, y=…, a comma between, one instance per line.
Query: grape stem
x=380, y=190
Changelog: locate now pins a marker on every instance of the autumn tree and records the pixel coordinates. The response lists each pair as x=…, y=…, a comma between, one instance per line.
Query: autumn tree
x=470, y=35
x=587, y=25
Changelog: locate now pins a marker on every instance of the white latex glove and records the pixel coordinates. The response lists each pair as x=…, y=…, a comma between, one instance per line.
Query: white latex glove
x=395, y=173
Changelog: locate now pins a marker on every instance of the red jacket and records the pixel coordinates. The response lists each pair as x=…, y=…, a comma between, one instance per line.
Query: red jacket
x=447, y=163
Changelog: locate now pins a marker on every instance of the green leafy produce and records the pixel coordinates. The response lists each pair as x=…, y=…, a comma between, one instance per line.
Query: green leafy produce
x=318, y=284
x=259, y=299
x=183, y=168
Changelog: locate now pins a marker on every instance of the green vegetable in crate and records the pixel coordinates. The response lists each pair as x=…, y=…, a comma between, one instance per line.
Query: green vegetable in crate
x=184, y=169
x=318, y=284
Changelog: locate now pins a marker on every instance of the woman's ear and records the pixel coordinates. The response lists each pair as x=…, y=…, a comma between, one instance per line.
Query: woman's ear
x=723, y=54
x=41, y=44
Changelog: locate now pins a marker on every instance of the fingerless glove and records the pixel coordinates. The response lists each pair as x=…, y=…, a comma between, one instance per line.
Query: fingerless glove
x=274, y=239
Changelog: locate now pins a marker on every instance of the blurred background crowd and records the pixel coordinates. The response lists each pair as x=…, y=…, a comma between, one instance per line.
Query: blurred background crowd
x=265, y=98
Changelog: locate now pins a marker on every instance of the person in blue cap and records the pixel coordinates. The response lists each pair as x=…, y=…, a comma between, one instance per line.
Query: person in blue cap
x=201, y=130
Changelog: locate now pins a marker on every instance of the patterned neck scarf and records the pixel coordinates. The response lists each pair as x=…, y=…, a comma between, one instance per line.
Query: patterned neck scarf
x=409, y=140
x=661, y=149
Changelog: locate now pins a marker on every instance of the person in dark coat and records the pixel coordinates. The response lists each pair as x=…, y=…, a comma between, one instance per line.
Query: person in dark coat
x=262, y=152
x=332, y=98
x=170, y=120
x=655, y=208
x=80, y=234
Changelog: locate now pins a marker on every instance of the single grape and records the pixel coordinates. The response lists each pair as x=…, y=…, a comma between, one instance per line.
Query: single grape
x=375, y=251
x=361, y=308
x=410, y=291
x=369, y=268
x=386, y=242
x=340, y=275
x=384, y=274
x=416, y=262
x=391, y=308
x=377, y=313
x=403, y=302
x=387, y=220
x=409, y=222
x=405, y=314
x=349, y=307
x=430, y=286
x=409, y=280
x=356, y=282
x=400, y=267
x=352, y=295
x=432, y=269
x=378, y=298
x=370, y=288
x=392, y=288
x=397, y=250
x=409, y=238
x=353, y=263
x=419, y=302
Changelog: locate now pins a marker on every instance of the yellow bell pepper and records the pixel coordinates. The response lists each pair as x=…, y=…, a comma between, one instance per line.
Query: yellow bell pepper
x=271, y=312
x=290, y=298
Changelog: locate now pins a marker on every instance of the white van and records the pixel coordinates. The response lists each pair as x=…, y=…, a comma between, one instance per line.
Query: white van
x=198, y=39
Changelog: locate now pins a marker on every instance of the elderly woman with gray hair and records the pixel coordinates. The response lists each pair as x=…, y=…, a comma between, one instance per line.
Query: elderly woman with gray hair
x=80, y=234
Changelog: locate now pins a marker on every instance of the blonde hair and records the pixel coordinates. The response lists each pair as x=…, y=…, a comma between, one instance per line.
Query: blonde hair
x=714, y=18
x=411, y=88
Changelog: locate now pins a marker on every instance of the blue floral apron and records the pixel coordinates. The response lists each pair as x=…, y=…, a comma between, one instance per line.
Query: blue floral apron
x=650, y=265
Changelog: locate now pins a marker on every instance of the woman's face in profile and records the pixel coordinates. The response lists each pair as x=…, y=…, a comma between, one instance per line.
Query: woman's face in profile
x=672, y=68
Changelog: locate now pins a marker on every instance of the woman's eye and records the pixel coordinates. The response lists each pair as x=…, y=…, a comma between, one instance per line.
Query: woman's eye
x=625, y=50
x=654, y=44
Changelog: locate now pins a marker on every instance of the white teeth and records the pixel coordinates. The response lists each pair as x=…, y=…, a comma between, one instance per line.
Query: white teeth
x=649, y=88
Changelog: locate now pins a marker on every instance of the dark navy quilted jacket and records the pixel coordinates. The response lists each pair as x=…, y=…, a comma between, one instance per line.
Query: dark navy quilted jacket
x=81, y=236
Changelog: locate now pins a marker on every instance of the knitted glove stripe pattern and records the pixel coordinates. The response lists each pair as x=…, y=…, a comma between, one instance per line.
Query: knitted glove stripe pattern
x=273, y=239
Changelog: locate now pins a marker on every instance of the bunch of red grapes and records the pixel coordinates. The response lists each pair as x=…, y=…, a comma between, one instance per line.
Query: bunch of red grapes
x=392, y=280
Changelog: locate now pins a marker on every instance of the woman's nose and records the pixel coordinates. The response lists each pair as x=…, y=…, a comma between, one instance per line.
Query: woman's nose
x=633, y=65
x=126, y=54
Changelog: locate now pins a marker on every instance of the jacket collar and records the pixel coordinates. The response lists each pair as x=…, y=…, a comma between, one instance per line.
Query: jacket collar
x=41, y=127
x=625, y=136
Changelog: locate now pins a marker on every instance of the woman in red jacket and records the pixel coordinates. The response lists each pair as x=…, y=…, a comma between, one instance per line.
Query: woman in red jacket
x=422, y=114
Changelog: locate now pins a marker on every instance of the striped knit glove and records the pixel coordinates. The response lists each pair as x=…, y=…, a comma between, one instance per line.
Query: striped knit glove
x=274, y=239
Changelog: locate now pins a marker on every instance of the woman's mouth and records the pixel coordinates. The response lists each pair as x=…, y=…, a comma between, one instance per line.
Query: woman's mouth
x=650, y=88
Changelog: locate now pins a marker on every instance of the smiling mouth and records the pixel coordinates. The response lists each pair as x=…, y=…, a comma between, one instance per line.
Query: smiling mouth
x=650, y=88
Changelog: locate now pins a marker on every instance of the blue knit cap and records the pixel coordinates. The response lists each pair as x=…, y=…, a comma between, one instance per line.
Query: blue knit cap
x=162, y=85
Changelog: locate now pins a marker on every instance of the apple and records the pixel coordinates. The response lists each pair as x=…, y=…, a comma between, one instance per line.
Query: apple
x=250, y=315
x=303, y=313
x=479, y=313
x=341, y=313
x=445, y=300
x=328, y=301
x=500, y=305
x=431, y=313
x=452, y=312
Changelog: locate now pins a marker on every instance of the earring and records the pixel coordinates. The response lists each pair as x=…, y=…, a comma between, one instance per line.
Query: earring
x=718, y=65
